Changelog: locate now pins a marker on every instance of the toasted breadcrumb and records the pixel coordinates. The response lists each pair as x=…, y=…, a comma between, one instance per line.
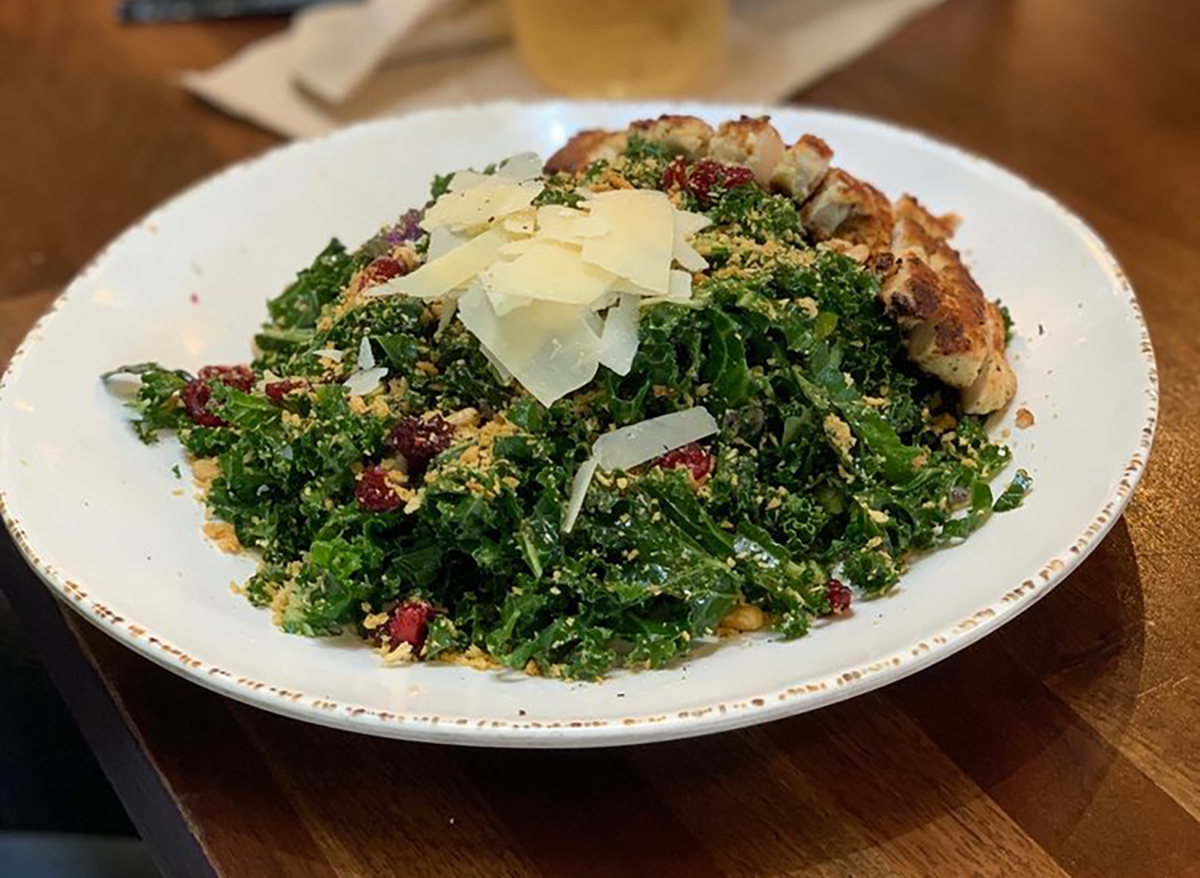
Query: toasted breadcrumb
x=223, y=535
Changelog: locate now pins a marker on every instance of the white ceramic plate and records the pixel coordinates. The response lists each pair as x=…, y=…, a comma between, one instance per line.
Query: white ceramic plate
x=103, y=521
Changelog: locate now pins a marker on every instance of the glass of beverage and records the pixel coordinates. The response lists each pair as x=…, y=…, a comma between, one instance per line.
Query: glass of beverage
x=621, y=48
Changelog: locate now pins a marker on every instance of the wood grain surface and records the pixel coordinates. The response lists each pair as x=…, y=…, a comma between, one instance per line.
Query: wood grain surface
x=1066, y=744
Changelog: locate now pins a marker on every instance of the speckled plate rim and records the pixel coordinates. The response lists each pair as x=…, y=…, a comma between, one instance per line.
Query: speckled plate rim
x=583, y=732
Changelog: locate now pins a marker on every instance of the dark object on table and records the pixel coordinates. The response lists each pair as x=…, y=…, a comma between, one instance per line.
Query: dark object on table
x=147, y=11
x=34, y=855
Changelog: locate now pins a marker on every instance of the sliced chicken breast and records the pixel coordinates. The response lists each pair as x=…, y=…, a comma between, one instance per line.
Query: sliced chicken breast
x=954, y=332
x=752, y=142
x=801, y=168
x=587, y=147
x=929, y=292
x=846, y=208
x=681, y=135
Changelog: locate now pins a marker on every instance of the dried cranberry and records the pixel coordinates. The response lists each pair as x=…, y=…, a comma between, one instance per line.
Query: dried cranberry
x=380, y=269
x=698, y=462
x=234, y=376
x=195, y=396
x=374, y=492
x=706, y=176
x=197, y=393
x=277, y=390
x=703, y=177
x=839, y=596
x=420, y=440
x=675, y=175
x=409, y=623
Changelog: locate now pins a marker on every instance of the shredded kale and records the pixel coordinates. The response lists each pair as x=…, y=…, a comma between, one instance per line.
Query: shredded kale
x=300, y=304
x=835, y=454
x=157, y=399
x=440, y=186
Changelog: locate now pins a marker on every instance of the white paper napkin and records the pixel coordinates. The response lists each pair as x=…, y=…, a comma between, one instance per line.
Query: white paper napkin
x=341, y=63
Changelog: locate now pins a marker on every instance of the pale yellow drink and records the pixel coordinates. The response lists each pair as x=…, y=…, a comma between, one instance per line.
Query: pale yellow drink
x=621, y=48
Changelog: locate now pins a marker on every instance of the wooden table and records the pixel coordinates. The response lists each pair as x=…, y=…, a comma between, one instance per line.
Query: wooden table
x=1068, y=743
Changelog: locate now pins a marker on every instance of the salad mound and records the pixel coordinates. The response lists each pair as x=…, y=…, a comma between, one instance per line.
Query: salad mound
x=751, y=448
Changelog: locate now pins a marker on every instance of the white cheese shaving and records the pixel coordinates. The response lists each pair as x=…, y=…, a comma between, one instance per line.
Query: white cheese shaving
x=442, y=241
x=634, y=445
x=685, y=226
x=330, y=353
x=619, y=339
x=449, y=308
x=452, y=270
x=505, y=375
x=607, y=300
x=680, y=286
x=550, y=272
x=517, y=247
x=569, y=225
x=367, y=381
x=482, y=202
x=460, y=181
x=505, y=303
x=640, y=238
x=547, y=346
x=579, y=489
x=366, y=356
x=523, y=222
x=688, y=257
x=522, y=166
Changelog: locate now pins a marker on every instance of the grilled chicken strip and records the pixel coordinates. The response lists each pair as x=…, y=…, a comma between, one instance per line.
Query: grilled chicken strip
x=846, y=208
x=954, y=332
x=752, y=142
x=681, y=135
x=802, y=168
x=587, y=147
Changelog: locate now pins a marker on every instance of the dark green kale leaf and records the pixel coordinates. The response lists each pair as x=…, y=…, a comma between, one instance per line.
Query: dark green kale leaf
x=299, y=306
x=157, y=400
x=1014, y=495
x=751, y=212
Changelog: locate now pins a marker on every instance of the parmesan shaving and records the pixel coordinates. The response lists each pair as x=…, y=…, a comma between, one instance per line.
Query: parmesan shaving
x=523, y=222
x=482, y=202
x=436, y=278
x=680, y=285
x=442, y=241
x=550, y=292
x=686, y=225
x=619, y=339
x=521, y=167
x=569, y=225
x=366, y=356
x=634, y=445
x=640, y=239
x=550, y=272
x=547, y=346
x=579, y=489
x=365, y=382
x=517, y=247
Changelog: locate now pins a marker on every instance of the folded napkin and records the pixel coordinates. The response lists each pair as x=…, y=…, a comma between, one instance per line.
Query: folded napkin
x=345, y=62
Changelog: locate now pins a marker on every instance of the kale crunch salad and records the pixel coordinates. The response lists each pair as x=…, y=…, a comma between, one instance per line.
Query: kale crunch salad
x=674, y=383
